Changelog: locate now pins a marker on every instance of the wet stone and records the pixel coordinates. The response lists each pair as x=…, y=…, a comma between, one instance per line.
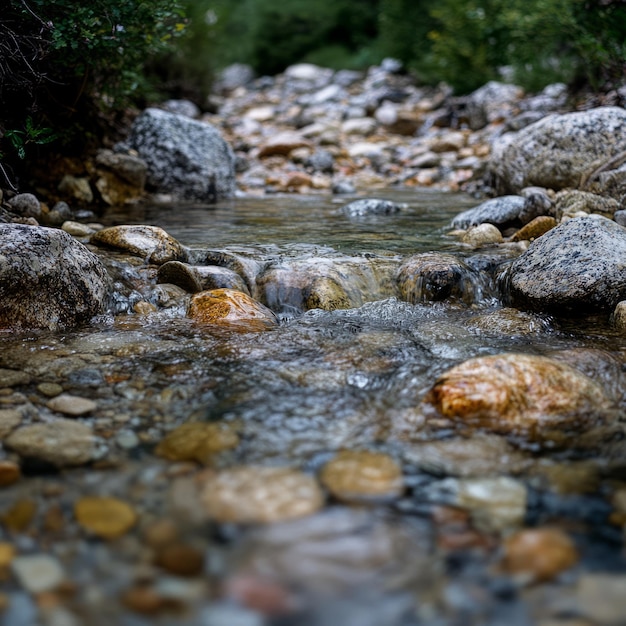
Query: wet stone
x=532, y=396
x=538, y=554
x=10, y=419
x=38, y=572
x=509, y=321
x=362, y=475
x=9, y=473
x=197, y=441
x=149, y=242
x=534, y=229
x=372, y=206
x=195, y=278
x=72, y=406
x=433, y=276
x=105, y=517
x=619, y=316
x=482, y=235
x=50, y=390
x=250, y=494
x=13, y=378
x=502, y=212
x=61, y=443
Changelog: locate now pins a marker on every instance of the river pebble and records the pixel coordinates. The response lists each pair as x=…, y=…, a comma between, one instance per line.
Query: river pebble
x=38, y=572
x=197, y=441
x=9, y=420
x=362, y=475
x=251, y=494
x=72, y=406
x=482, y=235
x=105, y=517
x=538, y=554
x=62, y=442
x=529, y=395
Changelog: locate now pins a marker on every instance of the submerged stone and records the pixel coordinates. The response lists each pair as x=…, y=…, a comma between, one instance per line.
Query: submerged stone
x=502, y=211
x=434, y=276
x=528, y=395
x=372, y=206
x=195, y=278
x=197, y=441
x=228, y=307
x=250, y=494
x=149, y=242
x=362, y=475
x=105, y=517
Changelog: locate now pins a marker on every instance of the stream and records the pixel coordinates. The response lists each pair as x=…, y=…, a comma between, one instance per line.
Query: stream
x=320, y=382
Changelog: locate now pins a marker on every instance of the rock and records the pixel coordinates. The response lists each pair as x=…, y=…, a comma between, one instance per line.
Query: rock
x=372, y=206
x=538, y=554
x=313, y=75
x=434, y=276
x=534, y=229
x=570, y=203
x=77, y=229
x=531, y=396
x=105, y=517
x=50, y=390
x=10, y=419
x=38, y=572
x=121, y=177
x=557, y=151
x=195, y=278
x=282, y=144
x=251, y=494
x=496, y=504
x=232, y=77
x=230, y=308
x=185, y=158
x=70, y=405
x=60, y=213
x=363, y=126
x=13, y=378
x=327, y=283
x=10, y=473
x=48, y=279
x=78, y=189
x=491, y=102
x=186, y=108
x=477, y=456
x=620, y=217
x=504, y=211
x=450, y=141
x=149, y=242
x=509, y=322
x=61, y=443
x=362, y=475
x=601, y=597
x=26, y=205
x=619, y=316
x=576, y=267
x=180, y=559
x=320, y=161
x=482, y=235
x=197, y=441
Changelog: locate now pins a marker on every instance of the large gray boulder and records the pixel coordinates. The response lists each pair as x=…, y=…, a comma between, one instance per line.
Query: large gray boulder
x=187, y=159
x=48, y=279
x=558, y=150
x=577, y=267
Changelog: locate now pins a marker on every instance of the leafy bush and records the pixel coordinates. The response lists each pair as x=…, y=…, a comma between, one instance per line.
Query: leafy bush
x=64, y=62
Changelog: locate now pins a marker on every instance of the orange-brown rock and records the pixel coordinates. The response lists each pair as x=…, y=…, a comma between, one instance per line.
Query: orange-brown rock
x=535, y=228
x=538, y=554
x=104, y=516
x=197, y=441
x=230, y=308
x=518, y=393
x=9, y=473
x=362, y=475
x=180, y=559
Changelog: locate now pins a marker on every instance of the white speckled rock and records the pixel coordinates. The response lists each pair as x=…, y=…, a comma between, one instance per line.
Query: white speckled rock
x=48, y=279
x=186, y=158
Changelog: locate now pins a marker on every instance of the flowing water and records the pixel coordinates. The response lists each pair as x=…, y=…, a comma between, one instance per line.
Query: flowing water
x=344, y=378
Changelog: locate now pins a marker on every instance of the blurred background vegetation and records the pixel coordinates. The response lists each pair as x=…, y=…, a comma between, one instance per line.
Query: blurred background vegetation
x=68, y=68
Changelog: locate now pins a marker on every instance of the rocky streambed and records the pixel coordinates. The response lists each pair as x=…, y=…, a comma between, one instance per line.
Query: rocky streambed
x=383, y=405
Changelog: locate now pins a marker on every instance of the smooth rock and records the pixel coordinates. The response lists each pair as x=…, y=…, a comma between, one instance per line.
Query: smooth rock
x=38, y=572
x=9, y=420
x=577, y=267
x=13, y=378
x=482, y=235
x=61, y=443
x=195, y=278
x=372, y=206
x=197, y=441
x=503, y=211
x=496, y=504
x=558, y=150
x=26, y=205
x=601, y=597
x=535, y=228
x=186, y=158
x=149, y=242
x=619, y=316
x=532, y=396
x=104, y=516
x=251, y=494
x=73, y=406
x=491, y=102
x=538, y=554
x=48, y=279
x=362, y=475
x=282, y=144
x=230, y=308
x=121, y=177
x=10, y=473
x=78, y=189
x=77, y=229
x=434, y=276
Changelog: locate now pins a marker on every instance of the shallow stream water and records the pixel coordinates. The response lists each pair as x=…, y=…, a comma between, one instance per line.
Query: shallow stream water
x=326, y=380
